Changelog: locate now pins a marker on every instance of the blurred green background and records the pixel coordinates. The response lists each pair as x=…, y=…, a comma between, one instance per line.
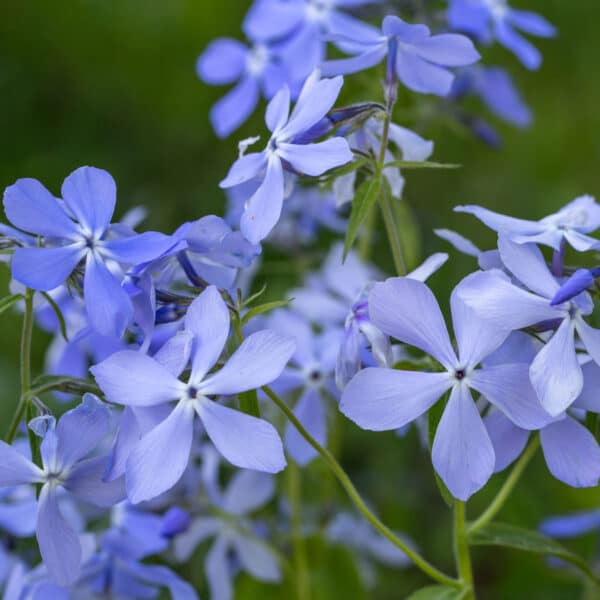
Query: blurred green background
x=112, y=84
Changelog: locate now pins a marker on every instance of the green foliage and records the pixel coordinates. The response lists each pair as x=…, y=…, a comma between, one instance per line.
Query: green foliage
x=364, y=201
x=437, y=592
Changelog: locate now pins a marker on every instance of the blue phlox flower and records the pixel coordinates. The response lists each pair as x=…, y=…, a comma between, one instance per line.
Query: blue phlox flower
x=577, y=283
x=134, y=379
x=64, y=450
x=572, y=525
x=75, y=230
x=310, y=372
x=571, y=224
x=486, y=259
x=263, y=208
x=495, y=19
x=556, y=371
x=254, y=69
x=234, y=534
x=385, y=399
x=419, y=60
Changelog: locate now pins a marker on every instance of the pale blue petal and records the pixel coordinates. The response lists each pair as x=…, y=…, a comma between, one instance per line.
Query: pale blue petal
x=245, y=168
x=109, y=308
x=278, y=109
x=263, y=209
x=86, y=482
x=462, y=451
x=461, y=243
x=383, y=399
x=201, y=529
x=528, y=54
x=157, y=462
x=508, y=388
x=132, y=378
x=572, y=453
x=248, y=491
x=448, y=49
x=589, y=399
x=257, y=558
x=590, y=338
x=421, y=76
x=501, y=223
x=31, y=207
x=346, y=66
x=555, y=373
x=218, y=572
x=140, y=248
x=90, y=194
x=81, y=429
x=407, y=310
x=508, y=439
x=531, y=23
x=223, y=61
x=174, y=354
x=235, y=107
x=315, y=159
x=259, y=360
x=15, y=468
x=59, y=544
x=45, y=268
x=207, y=319
x=245, y=441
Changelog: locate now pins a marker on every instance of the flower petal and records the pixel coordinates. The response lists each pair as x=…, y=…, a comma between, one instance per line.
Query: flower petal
x=257, y=558
x=572, y=453
x=278, y=109
x=422, y=76
x=45, y=268
x=462, y=451
x=259, y=360
x=508, y=388
x=109, y=308
x=15, y=468
x=222, y=62
x=508, y=439
x=207, y=319
x=245, y=441
x=244, y=169
x=157, y=462
x=134, y=379
x=59, y=544
x=235, y=107
x=247, y=491
x=447, y=49
x=407, y=310
x=315, y=159
x=86, y=483
x=555, y=372
x=90, y=194
x=263, y=209
x=383, y=399
x=31, y=207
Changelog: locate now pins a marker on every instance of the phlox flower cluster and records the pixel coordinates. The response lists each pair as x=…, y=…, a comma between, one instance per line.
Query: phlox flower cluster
x=152, y=437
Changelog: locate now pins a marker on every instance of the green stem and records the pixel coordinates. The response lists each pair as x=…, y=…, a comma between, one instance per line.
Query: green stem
x=492, y=510
x=461, y=551
x=356, y=498
x=384, y=201
x=24, y=408
x=300, y=557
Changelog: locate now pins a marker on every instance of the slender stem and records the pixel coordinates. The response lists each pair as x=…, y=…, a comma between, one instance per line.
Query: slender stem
x=492, y=510
x=23, y=408
x=384, y=200
x=461, y=551
x=356, y=498
x=300, y=557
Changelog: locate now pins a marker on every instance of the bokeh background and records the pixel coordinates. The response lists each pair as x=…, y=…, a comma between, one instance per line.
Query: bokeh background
x=112, y=84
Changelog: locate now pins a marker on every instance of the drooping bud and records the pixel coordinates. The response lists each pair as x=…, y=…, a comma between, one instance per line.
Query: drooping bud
x=580, y=281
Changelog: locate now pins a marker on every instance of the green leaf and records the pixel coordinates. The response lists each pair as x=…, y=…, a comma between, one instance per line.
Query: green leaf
x=254, y=296
x=437, y=592
x=58, y=313
x=412, y=164
x=509, y=536
x=366, y=196
x=7, y=302
x=263, y=308
x=356, y=164
x=433, y=419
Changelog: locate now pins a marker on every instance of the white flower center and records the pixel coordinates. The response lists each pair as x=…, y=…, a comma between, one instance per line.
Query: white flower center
x=257, y=60
x=318, y=10
x=498, y=8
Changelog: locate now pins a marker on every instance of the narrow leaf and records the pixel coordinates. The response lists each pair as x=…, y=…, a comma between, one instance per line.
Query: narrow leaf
x=509, y=536
x=436, y=592
x=254, y=296
x=7, y=302
x=413, y=164
x=263, y=308
x=366, y=196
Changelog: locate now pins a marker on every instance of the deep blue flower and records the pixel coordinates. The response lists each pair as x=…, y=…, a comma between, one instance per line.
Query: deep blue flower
x=74, y=230
x=416, y=57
